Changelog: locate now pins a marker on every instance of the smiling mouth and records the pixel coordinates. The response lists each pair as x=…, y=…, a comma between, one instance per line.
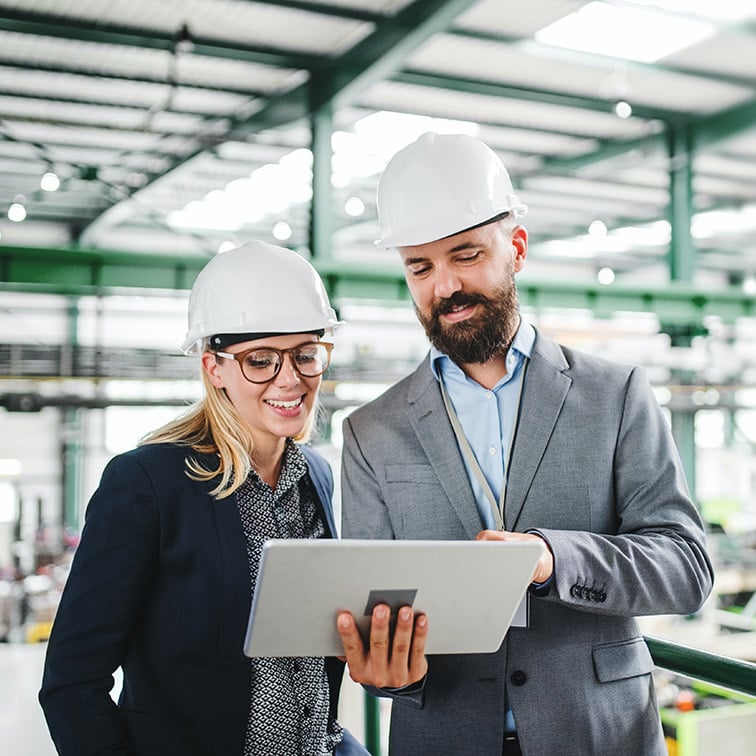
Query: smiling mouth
x=291, y=404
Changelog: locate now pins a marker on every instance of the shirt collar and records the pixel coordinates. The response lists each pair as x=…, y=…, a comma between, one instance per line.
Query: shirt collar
x=522, y=345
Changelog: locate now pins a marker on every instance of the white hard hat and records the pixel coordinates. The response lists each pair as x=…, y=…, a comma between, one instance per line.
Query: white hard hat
x=439, y=185
x=254, y=290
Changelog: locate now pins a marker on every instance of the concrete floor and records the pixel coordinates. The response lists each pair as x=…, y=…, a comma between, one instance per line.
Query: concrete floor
x=23, y=731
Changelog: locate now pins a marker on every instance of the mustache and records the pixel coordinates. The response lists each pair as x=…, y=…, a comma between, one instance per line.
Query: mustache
x=458, y=299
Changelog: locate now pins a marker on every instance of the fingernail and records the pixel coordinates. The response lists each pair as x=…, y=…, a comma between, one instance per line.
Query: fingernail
x=404, y=613
x=381, y=612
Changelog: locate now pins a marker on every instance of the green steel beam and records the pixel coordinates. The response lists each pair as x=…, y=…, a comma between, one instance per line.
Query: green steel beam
x=338, y=11
x=383, y=53
x=712, y=129
x=547, y=97
x=85, y=272
x=706, y=131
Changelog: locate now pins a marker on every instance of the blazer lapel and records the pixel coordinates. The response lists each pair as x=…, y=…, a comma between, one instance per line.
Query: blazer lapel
x=431, y=424
x=545, y=391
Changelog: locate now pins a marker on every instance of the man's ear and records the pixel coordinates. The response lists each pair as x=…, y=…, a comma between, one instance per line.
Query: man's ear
x=211, y=367
x=520, y=246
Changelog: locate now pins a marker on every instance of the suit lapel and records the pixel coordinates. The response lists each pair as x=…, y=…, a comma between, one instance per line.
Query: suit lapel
x=544, y=393
x=431, y=424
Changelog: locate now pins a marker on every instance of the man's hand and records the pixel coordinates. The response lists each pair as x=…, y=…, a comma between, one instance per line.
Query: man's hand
x=387, y=663
x=545, y=567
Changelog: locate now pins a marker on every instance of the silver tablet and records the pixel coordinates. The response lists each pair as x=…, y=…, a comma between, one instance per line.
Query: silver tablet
x=470, y=591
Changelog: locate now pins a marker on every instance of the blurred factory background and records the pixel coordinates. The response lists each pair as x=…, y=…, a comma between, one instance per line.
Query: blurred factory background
x=138, y=139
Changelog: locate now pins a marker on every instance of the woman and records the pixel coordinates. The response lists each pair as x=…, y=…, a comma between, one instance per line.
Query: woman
x=162, y=581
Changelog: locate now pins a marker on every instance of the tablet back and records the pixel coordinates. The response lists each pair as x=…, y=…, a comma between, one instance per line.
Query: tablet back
x=470, y=591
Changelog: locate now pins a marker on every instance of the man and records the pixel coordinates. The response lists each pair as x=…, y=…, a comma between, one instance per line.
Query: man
x=502, y=434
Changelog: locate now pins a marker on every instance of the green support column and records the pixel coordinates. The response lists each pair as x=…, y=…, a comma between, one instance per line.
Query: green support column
x=372, y=725
x=681, y=268
x=683, y=421
x=70, y=450
x=681, y=250
x=71, y=429
x=321, y=207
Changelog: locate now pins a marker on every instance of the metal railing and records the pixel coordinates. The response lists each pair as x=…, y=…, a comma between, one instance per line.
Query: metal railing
x=723, y=671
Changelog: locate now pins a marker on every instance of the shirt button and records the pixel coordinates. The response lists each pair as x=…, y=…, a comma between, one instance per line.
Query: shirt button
x=492, y=450
x=489, y=395
x=518, y=677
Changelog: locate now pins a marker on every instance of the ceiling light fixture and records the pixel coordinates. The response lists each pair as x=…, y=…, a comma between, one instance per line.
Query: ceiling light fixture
x=49, y=182
x=605, y=276
x=354, y=207
x=282, y=231
x=17, y=212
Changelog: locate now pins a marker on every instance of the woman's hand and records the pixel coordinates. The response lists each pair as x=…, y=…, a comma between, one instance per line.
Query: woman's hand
x=388, y=662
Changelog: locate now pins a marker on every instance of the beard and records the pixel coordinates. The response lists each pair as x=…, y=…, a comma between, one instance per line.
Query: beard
x=487, y=333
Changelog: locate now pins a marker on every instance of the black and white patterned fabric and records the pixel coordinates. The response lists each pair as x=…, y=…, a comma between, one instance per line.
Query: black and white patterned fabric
x=289, y=704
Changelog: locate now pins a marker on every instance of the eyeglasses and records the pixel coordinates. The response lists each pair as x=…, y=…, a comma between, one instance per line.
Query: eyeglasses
x=263, y=364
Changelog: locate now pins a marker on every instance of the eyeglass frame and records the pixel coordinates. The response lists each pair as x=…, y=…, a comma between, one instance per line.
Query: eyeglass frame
x=238, y=357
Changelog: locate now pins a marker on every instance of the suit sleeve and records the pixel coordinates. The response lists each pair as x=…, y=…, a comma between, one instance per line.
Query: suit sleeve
x=111, y=576
x=656, y=563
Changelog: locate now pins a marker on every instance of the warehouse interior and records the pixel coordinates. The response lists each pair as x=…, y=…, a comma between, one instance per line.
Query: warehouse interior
x=137, y=140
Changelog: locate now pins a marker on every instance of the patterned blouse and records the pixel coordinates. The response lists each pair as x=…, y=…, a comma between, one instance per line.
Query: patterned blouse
x=289, y=706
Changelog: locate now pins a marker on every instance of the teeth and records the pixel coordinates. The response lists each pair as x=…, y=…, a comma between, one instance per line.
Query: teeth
x=285, y=405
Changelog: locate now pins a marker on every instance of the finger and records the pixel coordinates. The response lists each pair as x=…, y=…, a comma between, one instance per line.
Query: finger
x=379, y=636
x=402, y=642
x=354, y=649
x=418, y=664
x=491, y=535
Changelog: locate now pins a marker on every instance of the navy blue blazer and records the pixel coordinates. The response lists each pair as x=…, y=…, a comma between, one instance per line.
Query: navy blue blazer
x=159, y=585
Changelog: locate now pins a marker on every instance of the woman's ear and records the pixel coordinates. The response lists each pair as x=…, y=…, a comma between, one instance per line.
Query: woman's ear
x=212, y=368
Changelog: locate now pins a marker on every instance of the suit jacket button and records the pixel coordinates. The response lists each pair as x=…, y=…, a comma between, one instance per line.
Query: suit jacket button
x=593, y=594
x=584, y=591
x=602, y=597
x=518, y=677
x=575, y=590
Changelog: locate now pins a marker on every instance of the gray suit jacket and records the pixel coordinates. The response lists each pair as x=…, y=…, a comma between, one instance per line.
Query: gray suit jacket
x=596, y=471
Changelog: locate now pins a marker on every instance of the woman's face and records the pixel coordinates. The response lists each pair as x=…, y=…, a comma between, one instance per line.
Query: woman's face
x=274, y=410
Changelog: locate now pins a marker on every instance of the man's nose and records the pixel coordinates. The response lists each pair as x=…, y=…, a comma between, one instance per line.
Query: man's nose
x=447, y=282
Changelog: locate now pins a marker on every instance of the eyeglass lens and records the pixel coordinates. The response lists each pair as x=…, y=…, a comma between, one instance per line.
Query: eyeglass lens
x=309, y=360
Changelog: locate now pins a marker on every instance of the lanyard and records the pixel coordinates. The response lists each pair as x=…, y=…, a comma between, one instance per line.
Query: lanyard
x=497, y=508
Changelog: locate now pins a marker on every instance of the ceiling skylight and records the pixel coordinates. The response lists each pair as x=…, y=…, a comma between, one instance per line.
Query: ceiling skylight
x=624, y=32
x=731, y=11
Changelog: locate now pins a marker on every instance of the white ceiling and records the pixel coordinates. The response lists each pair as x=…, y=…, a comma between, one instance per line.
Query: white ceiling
x=139, y=119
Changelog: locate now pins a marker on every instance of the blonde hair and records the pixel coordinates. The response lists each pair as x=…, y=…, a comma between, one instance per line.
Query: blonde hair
x=212, y=426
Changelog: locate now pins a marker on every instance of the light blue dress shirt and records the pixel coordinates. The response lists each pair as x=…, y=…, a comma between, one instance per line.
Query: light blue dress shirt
x=487, y=416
